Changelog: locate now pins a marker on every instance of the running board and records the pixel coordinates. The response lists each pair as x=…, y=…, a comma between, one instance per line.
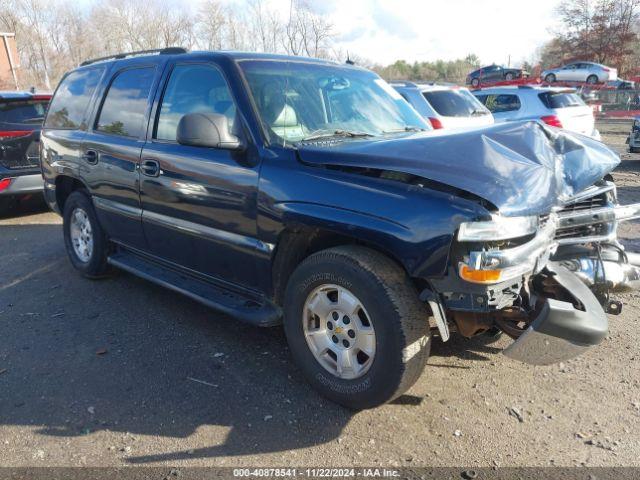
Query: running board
x=264, y=314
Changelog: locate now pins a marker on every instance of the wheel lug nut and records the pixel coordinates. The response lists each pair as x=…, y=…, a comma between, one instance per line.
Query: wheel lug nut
x=335, y=339
x=346, y=320
x=335, y=315
x=345, y=343
x=351, y=334
x=330, y=325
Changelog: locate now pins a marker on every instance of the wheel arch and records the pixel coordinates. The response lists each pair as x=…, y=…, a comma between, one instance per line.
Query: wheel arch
x=295, y=244
x=65, y=186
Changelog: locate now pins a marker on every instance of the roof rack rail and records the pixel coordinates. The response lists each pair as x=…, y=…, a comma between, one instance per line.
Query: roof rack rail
x=406, y=83
x=117, y=56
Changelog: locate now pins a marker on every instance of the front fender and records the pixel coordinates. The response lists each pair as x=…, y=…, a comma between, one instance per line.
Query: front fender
x=421, y=257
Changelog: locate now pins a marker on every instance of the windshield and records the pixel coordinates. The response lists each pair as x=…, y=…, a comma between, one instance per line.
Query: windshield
x=298, y=101
x=455, y=103
x=561, y=100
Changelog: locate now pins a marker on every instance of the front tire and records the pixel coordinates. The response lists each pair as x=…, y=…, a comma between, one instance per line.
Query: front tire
x=475, y=83
x=355, y=326
x=551, y=78
x=85, y=241
x=508, y=77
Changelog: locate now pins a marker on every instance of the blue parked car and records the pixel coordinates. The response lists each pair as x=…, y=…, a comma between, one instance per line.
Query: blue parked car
x=297, y=191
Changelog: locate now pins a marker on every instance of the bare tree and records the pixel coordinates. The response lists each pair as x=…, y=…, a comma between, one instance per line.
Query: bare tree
x=597, y=30
x=211, y=24
x=54, y=36
x=307, y=32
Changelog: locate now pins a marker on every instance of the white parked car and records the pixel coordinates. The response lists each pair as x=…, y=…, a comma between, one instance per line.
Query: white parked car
x=558, y=107
x=445, y=106
x=588, y=72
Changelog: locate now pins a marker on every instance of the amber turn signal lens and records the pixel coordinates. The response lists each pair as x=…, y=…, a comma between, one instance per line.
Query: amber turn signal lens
x=479, y=276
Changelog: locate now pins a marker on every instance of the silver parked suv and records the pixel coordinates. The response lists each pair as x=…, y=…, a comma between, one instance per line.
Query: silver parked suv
x=557, y=107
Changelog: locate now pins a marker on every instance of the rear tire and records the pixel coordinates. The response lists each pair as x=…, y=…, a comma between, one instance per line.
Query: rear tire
x=475, y=83
x=84, y=239
x=551, y=78
x=384, y=298
x=592, y=79
x=508, y=77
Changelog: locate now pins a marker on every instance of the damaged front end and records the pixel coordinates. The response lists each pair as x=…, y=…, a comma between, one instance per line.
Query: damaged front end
x=546, y=281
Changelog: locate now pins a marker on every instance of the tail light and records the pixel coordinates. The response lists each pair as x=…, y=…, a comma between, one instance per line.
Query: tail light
x=435, y=123
x=14, y=133
x=4, y=183
x=605, y=69
x=552, y=120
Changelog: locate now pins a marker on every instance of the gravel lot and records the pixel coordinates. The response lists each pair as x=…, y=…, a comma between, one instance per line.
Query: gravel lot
x=121, y=372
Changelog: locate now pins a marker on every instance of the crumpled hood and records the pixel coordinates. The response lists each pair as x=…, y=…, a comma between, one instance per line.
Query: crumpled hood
x=521, y=167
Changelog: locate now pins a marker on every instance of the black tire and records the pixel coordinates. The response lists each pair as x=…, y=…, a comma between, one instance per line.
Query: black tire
x=508, y=77
x=399, y=318
x=96, y=266
x=592, y=79
x=475, y=83
x=551, y=78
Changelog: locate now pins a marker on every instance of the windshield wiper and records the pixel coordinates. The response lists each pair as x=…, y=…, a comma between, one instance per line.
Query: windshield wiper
x=407, y=128
x=335, y=133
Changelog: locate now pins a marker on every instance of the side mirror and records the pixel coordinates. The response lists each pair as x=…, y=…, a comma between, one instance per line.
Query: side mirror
x=207, y=130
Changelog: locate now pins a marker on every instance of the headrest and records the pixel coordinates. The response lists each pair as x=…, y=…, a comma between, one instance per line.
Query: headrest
x=286, y=118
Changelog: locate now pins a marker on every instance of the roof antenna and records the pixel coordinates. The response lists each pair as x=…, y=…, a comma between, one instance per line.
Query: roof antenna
x=349, y=61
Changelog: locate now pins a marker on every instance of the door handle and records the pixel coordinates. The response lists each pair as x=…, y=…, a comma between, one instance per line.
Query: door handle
x=90, y=156
x=150, y=167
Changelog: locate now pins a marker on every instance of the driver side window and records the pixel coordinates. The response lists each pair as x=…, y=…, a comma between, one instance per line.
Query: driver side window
x=193, y=88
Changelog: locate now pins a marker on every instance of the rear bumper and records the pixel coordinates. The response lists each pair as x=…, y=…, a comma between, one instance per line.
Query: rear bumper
x=24, y=184
x=561, y=332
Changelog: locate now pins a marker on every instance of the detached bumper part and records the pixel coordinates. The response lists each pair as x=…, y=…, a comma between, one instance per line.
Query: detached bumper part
x=561, y=331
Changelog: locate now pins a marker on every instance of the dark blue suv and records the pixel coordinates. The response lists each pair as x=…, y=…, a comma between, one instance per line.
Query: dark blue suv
x=298, y=191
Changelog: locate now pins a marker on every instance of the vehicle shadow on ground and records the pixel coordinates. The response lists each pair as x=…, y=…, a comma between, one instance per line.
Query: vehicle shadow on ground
x=28, y=205
x=79, y=357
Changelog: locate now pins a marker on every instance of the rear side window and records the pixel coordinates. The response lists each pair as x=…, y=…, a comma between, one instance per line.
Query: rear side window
x=454, y=103
x=193, y=88
x=125, y=103
x=497, y=103
x=23, y=112
x=72, y=97
x=561, y=100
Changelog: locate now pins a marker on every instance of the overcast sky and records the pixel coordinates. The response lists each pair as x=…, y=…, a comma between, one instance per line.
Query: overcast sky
x=385, y=30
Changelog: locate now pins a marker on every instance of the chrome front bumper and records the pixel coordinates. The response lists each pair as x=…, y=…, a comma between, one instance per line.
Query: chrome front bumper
x=562, y=228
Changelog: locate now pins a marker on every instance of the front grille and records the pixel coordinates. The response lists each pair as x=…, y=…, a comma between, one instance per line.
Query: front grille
x=582, y=231
x=600, y=200
x=588, y=226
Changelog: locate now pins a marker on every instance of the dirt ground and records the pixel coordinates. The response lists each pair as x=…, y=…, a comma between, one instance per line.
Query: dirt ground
x=121, y=372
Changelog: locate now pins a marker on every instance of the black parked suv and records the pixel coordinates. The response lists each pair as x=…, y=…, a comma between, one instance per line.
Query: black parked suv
x=298, y=191
x=21, y=116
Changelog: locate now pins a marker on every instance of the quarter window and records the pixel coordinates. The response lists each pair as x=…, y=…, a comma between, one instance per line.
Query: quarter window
x=72, y=97
x=194, y=88
x=497, y=103
x=124, y=106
